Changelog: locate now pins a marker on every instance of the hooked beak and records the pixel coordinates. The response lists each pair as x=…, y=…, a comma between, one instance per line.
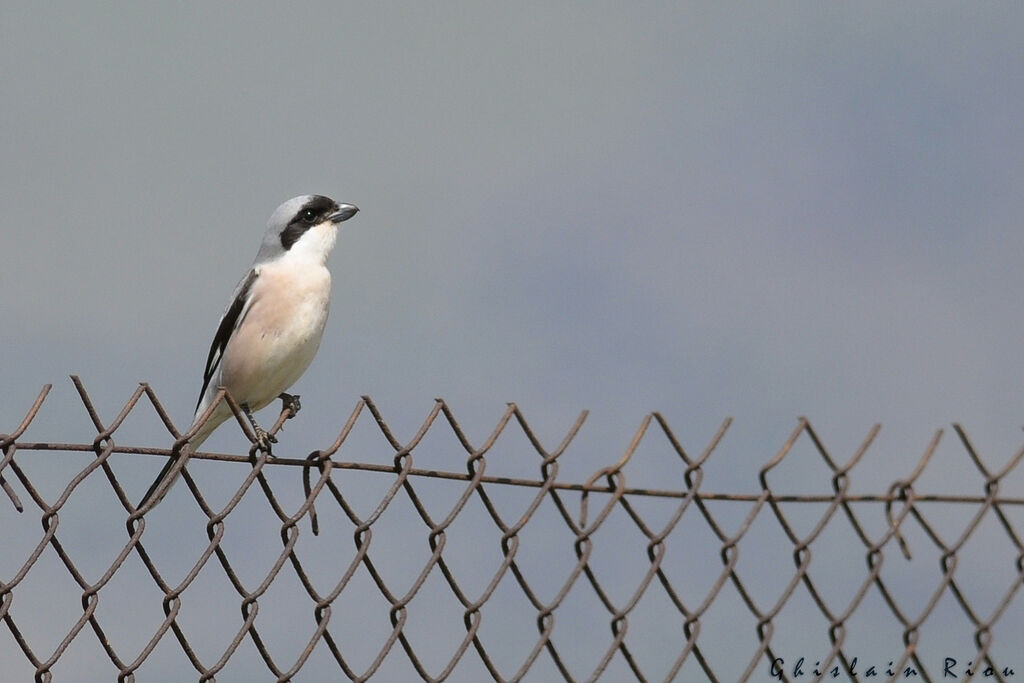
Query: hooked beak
x=344, y=212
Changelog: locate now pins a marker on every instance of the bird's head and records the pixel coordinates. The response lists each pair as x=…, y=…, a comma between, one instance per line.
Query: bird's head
x=304, y=226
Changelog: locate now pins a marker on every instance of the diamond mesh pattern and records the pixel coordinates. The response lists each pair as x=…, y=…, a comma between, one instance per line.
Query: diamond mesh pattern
x=319, y=568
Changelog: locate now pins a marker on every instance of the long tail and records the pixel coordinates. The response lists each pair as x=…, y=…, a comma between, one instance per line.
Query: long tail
x=158, y=489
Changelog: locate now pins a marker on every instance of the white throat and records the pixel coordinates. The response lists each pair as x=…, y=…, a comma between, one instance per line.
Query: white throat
x=315, y=245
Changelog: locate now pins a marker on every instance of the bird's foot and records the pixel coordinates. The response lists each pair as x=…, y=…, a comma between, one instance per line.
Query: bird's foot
x=291, y=403
x=263, y=437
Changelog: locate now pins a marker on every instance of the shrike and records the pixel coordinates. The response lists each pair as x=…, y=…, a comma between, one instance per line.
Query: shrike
x=268, y=335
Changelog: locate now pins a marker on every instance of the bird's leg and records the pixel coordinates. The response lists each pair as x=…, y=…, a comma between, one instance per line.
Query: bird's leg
x=263, y=437
x=290, y=402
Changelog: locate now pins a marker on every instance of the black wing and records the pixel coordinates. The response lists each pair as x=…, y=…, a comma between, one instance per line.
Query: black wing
x=228, y=322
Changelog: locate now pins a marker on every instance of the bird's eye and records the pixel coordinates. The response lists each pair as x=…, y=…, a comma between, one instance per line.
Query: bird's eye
x=308, y=216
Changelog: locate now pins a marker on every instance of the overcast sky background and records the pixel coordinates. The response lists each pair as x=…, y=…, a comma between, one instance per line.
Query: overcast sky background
x=707, y=211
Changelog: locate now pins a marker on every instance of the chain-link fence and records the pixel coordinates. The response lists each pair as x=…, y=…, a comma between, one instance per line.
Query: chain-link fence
x=348, y=565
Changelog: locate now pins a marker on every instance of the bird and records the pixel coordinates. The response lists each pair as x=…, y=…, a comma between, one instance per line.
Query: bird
x=271, y=330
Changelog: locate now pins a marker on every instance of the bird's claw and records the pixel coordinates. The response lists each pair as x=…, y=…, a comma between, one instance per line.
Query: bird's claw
x=264, y=439
x=291, y=403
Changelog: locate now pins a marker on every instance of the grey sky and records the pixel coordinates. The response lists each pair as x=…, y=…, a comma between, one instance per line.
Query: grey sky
x=708, y=211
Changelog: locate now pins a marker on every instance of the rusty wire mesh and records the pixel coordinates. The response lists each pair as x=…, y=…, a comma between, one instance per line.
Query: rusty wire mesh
x=300, y=570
